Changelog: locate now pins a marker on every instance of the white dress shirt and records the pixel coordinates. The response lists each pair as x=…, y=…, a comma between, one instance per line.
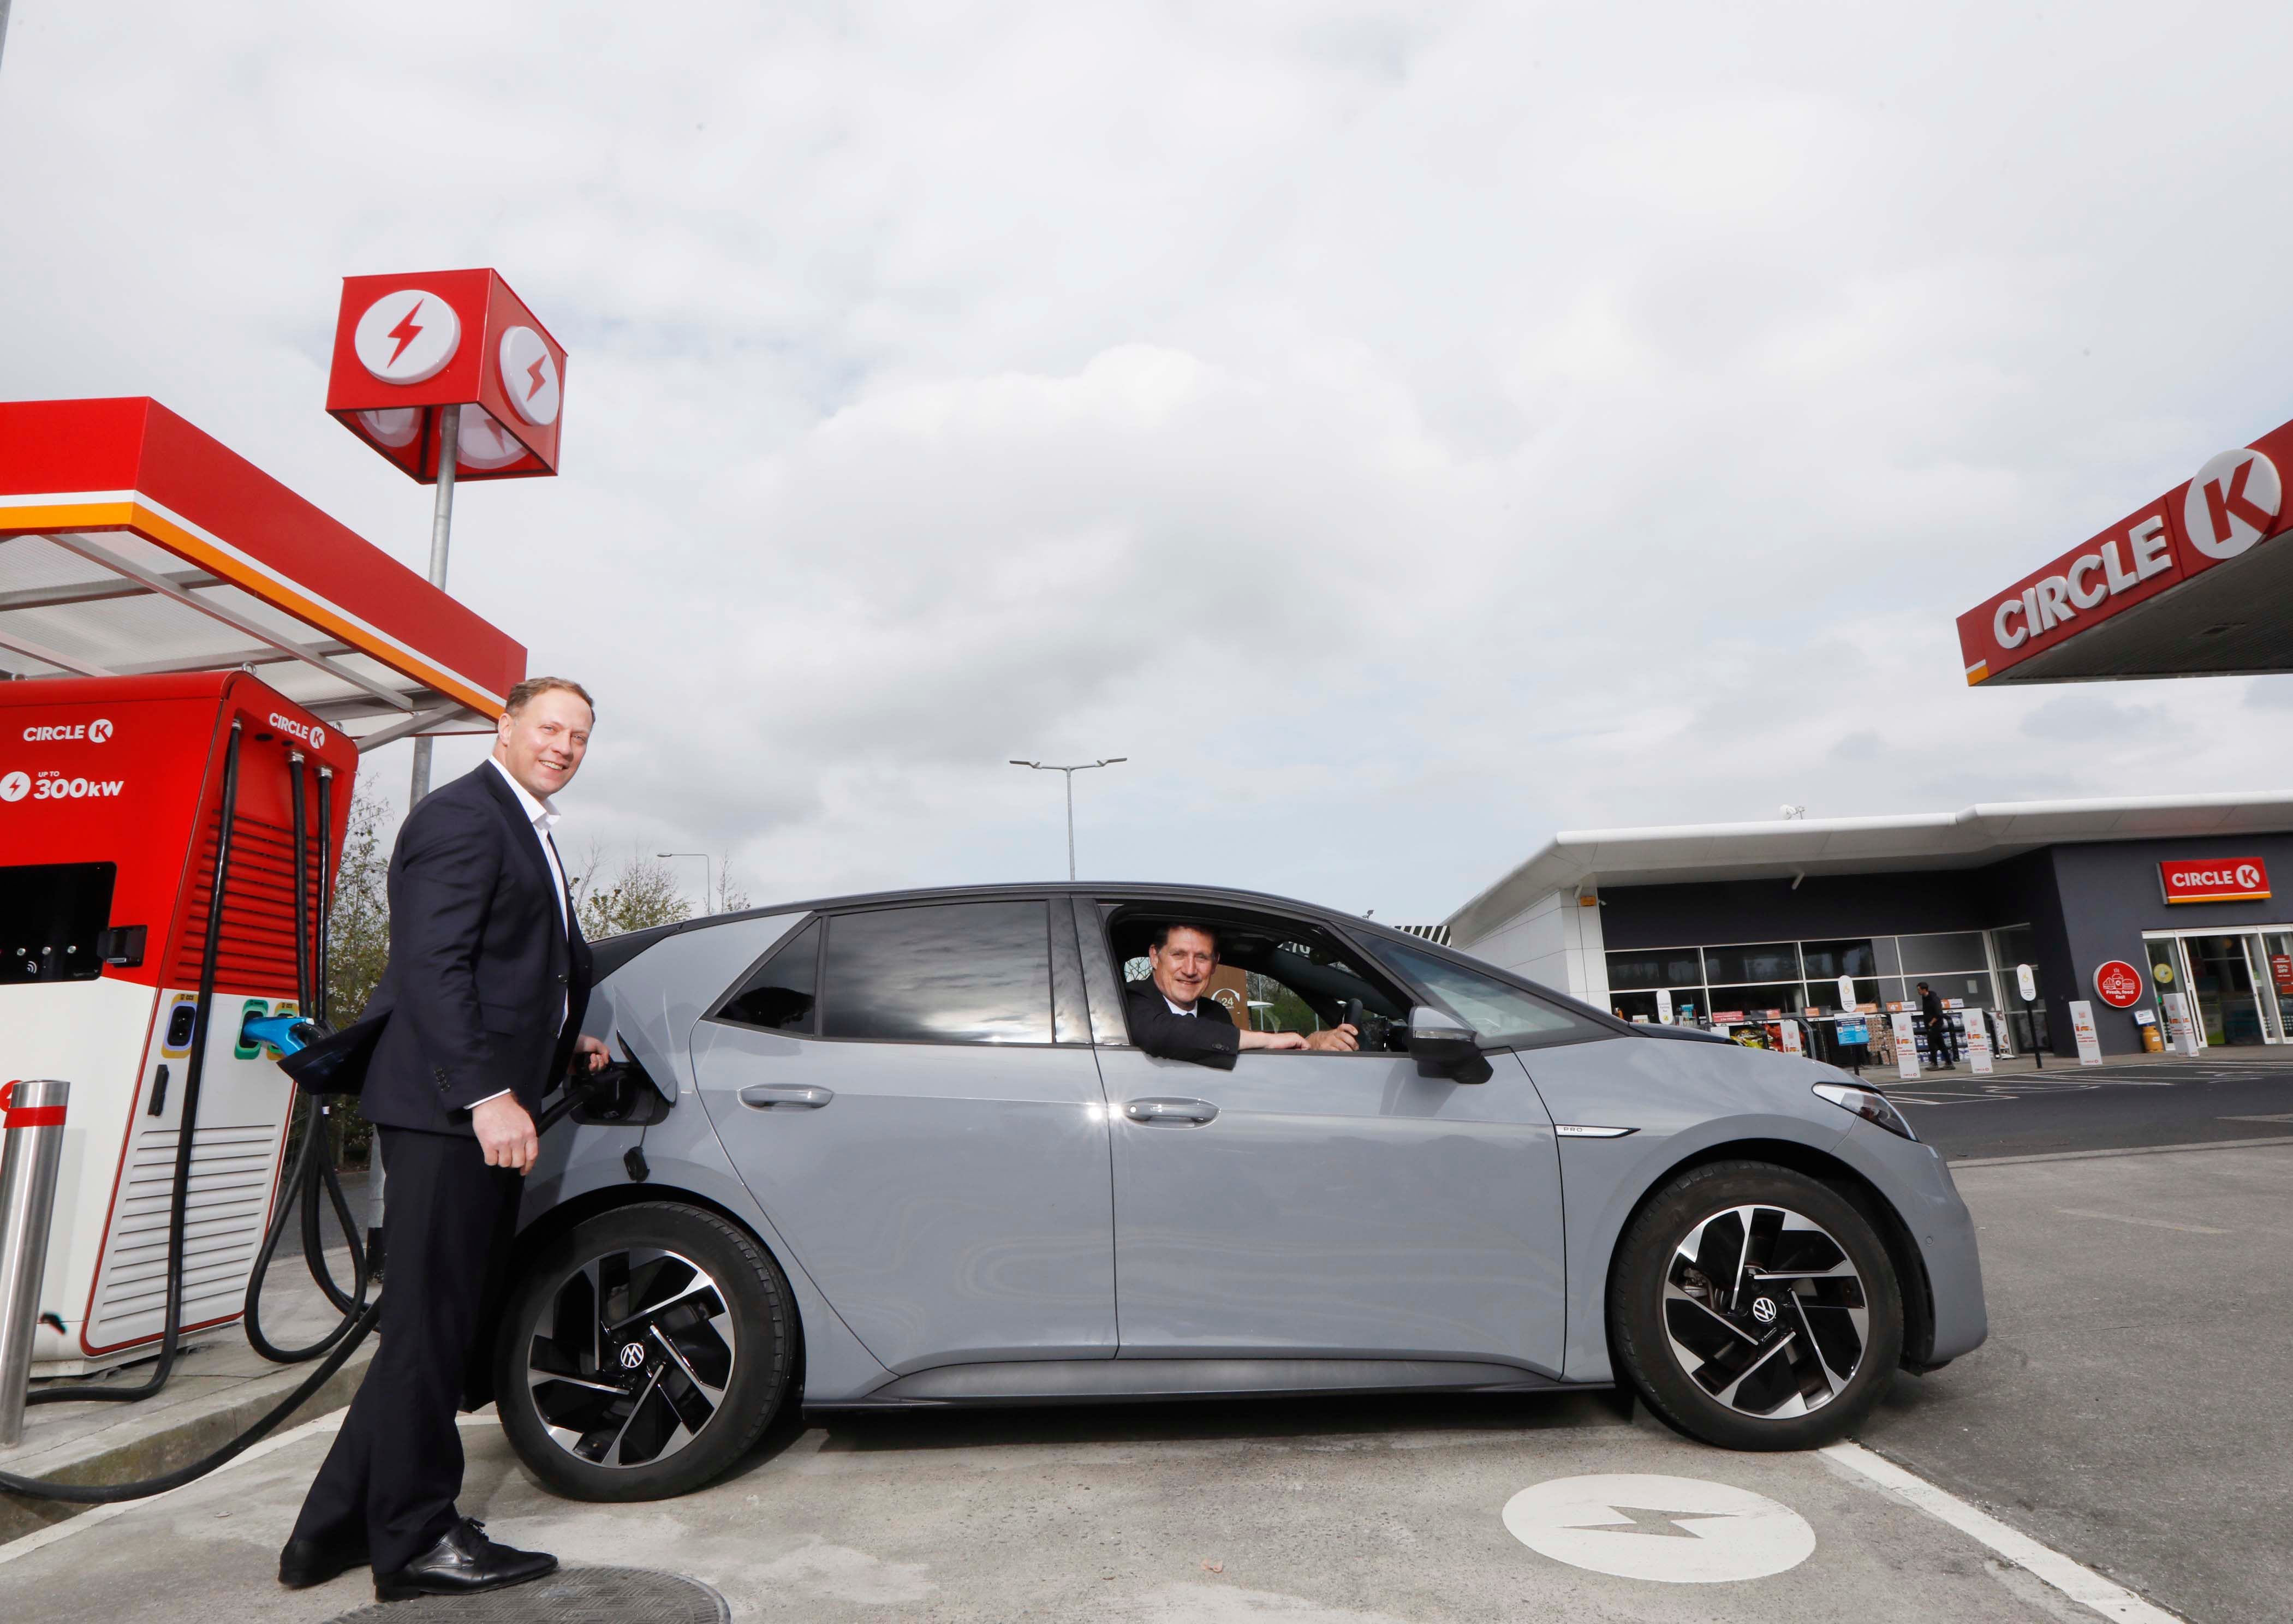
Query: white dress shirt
x=1176, y=1009
x=544, y=819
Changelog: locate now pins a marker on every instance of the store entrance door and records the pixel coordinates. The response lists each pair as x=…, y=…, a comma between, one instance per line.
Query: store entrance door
x=2223, y=985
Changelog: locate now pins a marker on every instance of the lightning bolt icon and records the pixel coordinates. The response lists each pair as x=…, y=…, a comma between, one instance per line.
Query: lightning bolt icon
x=406, y=332
x=534, y=372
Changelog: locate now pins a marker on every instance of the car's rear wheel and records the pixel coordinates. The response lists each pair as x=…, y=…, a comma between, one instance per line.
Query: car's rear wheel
x=1755, y=1308
x=642, y=1353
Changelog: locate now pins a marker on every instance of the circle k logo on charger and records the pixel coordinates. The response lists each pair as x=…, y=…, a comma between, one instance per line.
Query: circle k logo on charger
x=309, y=732
x=98, y=732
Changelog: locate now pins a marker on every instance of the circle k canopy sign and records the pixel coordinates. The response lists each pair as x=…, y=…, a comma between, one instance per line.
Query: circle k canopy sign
x=2219, y=879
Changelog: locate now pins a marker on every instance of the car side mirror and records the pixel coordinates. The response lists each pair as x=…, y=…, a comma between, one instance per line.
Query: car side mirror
x=1442, y=1047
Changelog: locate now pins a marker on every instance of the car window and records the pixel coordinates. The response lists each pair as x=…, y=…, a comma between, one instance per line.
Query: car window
x=1497, y=1013
x=1277, y=976
x=781, y=994
x=953, y=973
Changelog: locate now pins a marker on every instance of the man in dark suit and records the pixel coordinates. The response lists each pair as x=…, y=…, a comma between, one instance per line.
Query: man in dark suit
x=1170, y=1019
x=482, y=1001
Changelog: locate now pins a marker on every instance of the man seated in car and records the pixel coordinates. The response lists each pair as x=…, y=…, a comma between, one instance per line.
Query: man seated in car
x=1171, y=1020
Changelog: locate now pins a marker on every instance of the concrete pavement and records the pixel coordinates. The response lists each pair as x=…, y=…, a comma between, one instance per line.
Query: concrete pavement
x=2130, y=1407
x=1319, y=1513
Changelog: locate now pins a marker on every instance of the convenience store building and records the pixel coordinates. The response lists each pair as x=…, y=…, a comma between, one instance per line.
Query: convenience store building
x=1735, y=921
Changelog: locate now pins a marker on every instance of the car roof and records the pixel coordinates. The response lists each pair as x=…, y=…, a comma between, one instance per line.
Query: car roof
x=1112, y=891
x=612, y=951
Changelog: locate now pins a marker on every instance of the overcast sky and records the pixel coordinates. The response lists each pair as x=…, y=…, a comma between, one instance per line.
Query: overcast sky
x=1402, y=431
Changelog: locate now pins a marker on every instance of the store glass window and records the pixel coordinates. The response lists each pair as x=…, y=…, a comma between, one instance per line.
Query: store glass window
x=1769, y=961
x=1886, y=960
x=1763, y=995
x=1926, y=956
x=1830, y=960
x=1825, y=995
x=1657, y=967
x=2018, y=944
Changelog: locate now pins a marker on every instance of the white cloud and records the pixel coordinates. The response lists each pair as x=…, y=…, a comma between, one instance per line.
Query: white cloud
x=1401, y=430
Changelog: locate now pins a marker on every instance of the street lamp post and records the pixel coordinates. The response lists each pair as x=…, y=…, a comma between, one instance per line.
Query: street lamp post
x=1081, y=766
x=704, y=856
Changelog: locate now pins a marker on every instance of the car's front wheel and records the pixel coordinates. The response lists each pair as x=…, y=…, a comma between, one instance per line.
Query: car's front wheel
x=1755, y=1308
x=642, y=1353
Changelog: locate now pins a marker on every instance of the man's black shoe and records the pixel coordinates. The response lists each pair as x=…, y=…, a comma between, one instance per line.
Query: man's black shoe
x=462, y=1562
x=304, y=1563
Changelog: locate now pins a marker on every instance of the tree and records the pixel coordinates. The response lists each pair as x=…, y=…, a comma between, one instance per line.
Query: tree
x=358, y=946
x=731, y=899
x=357, y=929
x=642, y=893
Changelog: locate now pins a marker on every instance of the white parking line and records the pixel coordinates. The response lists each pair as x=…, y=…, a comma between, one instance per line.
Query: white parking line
x=2080, y=1583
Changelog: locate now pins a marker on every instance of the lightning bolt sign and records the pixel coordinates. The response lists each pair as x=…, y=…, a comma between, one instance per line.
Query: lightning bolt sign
x=406, y=332
x=534, y=372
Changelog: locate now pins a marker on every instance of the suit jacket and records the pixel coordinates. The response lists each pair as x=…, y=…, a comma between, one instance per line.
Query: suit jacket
x=484, y=990
x=1207, y=1037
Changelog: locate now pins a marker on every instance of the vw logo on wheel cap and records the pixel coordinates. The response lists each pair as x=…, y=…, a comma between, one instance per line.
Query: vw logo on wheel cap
x=632, y=1356
x=1763, y=1310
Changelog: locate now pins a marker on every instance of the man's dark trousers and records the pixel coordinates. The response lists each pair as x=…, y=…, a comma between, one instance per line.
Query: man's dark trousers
x=397, y=1463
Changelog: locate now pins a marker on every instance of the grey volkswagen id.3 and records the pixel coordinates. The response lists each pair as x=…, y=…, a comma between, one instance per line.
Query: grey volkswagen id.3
x=901, y=1150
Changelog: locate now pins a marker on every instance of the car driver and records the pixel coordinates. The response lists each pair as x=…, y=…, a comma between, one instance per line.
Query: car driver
x=1171, y=1020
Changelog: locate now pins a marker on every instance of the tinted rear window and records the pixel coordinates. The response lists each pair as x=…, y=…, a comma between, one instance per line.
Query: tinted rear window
x=955, y=973
x=782, y=993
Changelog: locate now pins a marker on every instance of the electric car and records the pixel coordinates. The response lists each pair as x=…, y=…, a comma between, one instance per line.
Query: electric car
x=900, y=1150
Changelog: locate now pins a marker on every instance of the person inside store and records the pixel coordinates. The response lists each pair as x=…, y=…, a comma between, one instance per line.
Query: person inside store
x=476, y=1017
x=1171, y=1019
x=1931, y=1015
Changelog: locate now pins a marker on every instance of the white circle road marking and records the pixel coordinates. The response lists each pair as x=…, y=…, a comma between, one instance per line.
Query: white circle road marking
x=1673, y=1531
x=407, y=336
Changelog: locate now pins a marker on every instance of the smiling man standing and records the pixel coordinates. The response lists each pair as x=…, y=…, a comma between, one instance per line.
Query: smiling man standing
x=480, y=1005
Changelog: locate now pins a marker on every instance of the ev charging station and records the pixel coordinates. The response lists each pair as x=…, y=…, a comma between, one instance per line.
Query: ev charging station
x=147, y=575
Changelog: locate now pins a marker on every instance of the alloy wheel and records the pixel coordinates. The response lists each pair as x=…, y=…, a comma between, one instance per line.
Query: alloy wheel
x=1765, y=1311
x=630, y=1359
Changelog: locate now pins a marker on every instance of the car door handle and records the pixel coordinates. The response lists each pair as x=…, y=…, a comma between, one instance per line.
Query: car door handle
x=1195, y=1111
x=770, y=1097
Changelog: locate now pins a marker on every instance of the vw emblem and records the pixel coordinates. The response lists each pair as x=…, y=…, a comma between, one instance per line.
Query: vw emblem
x=632, y=1355
x=1763, y=1310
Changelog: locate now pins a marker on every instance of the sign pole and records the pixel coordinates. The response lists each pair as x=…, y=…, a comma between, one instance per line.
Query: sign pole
x=442, y=533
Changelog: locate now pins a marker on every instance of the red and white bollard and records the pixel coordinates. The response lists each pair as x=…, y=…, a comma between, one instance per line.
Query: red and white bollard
x=31, y=1148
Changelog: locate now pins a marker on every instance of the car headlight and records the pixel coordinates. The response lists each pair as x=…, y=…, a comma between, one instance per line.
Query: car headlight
x=1869, y=1104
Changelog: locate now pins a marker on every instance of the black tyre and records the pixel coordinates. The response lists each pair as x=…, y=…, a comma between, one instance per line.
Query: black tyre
x=642, y=1353
x=1755, y=1308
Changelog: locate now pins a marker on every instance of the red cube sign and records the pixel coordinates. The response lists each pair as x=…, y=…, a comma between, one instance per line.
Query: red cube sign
x=406, y=347
x=2214, y=879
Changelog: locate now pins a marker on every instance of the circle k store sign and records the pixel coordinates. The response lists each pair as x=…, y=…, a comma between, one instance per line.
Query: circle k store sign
x=2223, y=879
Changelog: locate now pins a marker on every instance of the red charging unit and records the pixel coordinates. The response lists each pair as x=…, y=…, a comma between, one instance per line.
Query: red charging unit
x=108, y=784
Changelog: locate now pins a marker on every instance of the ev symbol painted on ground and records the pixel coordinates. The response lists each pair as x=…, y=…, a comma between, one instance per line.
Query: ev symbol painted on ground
x=1672, y=1531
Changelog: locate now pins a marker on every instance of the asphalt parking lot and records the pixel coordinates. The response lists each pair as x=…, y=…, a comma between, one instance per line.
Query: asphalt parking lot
x=2122, y=1416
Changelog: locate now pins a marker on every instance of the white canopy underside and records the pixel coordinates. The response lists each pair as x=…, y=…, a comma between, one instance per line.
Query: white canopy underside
x=109, y=603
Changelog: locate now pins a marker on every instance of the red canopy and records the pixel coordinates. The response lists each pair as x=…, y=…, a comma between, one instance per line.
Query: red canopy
x=132, y=542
